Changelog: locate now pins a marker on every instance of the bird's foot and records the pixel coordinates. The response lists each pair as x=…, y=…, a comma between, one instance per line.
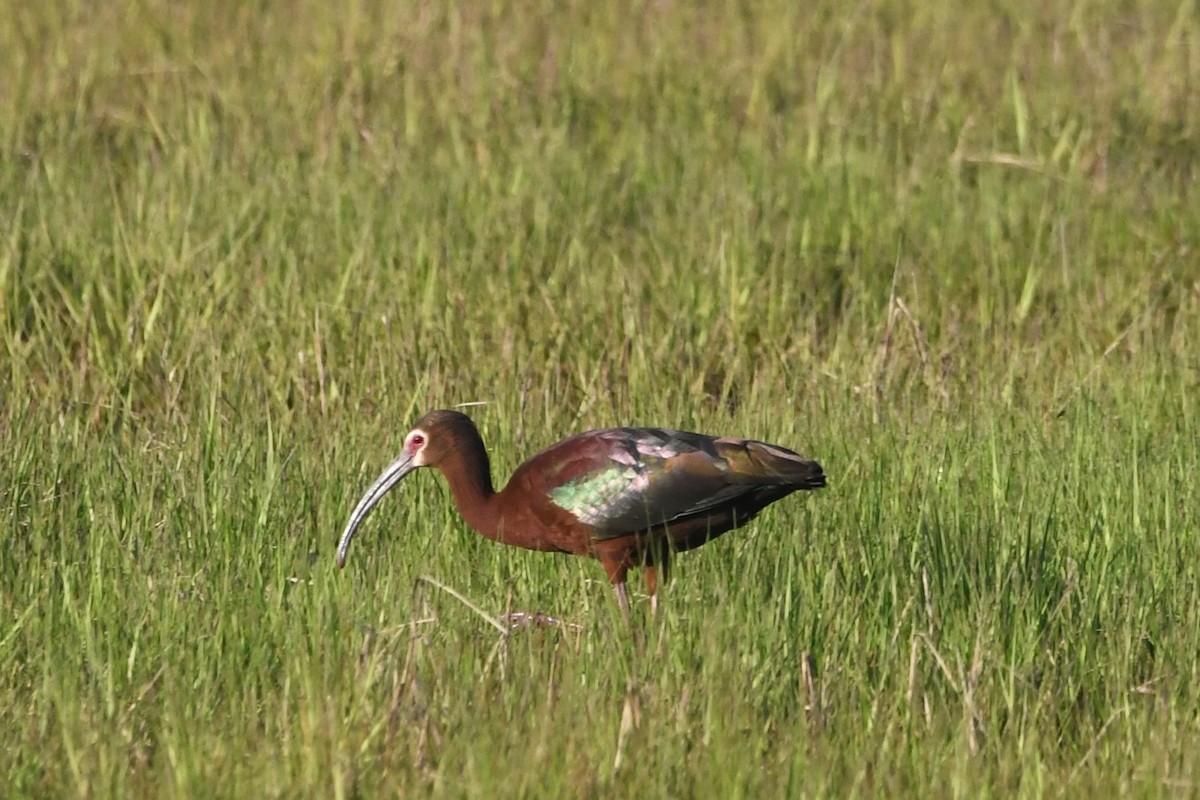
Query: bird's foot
x=525, y=619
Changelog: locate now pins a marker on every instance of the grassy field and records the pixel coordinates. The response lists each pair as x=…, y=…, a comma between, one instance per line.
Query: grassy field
x=952, y=253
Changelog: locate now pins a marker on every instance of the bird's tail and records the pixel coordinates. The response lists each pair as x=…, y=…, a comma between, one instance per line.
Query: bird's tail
x=810, y=475
x=775, y=464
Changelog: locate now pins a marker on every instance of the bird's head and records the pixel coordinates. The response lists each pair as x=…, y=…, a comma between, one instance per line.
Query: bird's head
x=434, y=439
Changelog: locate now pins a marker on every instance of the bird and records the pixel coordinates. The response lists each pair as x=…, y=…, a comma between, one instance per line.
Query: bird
x=628, y=497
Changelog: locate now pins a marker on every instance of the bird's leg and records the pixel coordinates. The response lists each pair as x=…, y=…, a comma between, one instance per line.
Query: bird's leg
x=652, y=588
x=617, y=569
x=622, y=599
x=663, y=565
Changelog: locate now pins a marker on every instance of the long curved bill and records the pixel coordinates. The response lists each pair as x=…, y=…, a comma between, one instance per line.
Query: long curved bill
x=390, y=477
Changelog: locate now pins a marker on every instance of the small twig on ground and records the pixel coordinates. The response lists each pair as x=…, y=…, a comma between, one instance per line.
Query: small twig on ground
x=453, y=593
x=1062, y=409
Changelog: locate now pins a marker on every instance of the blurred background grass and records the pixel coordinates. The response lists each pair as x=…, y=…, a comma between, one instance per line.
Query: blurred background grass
x=951, y=253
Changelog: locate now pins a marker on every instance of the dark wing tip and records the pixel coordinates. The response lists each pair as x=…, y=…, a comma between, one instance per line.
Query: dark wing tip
x=815, y=478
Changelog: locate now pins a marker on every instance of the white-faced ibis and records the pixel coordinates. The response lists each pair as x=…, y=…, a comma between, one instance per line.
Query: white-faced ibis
x=629, y=497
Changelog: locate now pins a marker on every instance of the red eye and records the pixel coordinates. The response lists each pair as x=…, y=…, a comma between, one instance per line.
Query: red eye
x=416, y=442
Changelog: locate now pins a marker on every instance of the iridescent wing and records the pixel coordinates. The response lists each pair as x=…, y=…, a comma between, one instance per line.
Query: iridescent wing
x=627, y=480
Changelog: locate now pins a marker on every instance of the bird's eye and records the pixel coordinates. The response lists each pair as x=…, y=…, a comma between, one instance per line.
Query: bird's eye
x=416, y=441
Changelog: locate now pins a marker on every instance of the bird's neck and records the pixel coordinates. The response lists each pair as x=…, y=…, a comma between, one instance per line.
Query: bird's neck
x=470, y=477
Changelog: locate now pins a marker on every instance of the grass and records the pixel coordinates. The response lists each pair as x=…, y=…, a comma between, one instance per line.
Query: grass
x=951, y=253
